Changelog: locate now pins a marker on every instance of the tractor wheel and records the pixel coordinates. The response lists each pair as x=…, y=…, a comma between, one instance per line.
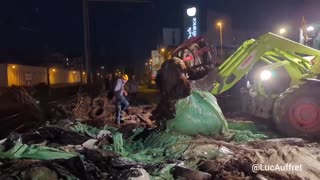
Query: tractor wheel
x=296, y=112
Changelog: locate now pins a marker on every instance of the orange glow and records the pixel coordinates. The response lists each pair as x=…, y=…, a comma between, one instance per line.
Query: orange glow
x=52, y=76
x=219, y=24
x=12, y=76
x=20, y=75
x=16, y=76
x=71, y=77
x=83, y=73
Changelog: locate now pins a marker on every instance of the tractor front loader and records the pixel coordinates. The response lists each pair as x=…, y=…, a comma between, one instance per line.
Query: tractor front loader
x=286, y=87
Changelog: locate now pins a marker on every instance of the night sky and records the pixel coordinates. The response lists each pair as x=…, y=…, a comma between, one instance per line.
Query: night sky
x=120, y=32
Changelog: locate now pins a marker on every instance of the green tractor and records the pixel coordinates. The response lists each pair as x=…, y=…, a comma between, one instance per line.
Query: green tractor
x=285, y=88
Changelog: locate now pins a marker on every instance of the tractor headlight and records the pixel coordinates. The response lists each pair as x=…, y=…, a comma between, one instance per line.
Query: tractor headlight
x=265, y=75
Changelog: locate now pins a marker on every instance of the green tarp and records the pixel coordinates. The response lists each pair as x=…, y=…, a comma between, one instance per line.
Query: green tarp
x=198, y=113
x=247, y=131
x=89, y=130
x=156, y=148
x=20, y=150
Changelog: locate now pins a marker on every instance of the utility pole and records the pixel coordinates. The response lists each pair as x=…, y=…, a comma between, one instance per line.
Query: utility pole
x=220, y=28
x=221, y=48
x=86, y=31
x=87, y=56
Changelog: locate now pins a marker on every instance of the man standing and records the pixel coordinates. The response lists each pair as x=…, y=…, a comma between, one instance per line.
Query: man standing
x=109, y=84
x=120, y=101
x=133, y=87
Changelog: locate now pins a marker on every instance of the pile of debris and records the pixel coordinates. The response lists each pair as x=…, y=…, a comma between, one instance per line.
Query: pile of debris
x=84, y=152
x=88, y=145
x=84, y=108
x=173, y=85
x=272, y=159
x=100, y=111
x=78, y=151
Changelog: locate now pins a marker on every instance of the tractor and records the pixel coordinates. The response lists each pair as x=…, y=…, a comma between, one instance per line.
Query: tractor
x=285, y=87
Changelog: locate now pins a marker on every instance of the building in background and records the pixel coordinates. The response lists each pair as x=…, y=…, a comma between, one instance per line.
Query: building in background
x=23, y=75
x=59, y=60
x=156, y=62
x=171, y=37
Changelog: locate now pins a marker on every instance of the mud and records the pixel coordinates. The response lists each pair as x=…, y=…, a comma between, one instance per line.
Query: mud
x=279, y=153
x=173, y=85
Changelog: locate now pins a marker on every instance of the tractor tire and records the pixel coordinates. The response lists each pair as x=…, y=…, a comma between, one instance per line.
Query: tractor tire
x=98, y=113
x=99, y=102
x=296, y=112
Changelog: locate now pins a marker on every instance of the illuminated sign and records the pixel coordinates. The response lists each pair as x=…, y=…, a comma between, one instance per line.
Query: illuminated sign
x=191, y=11
x=191, y=22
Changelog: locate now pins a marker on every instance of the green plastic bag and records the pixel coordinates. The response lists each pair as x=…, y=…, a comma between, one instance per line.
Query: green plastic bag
x=198, y=113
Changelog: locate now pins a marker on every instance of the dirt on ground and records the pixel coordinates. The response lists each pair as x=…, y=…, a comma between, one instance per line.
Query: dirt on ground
x=214, y=157
x=270, y=159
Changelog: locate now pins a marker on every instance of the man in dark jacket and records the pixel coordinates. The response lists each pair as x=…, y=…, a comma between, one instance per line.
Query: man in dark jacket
x=109, y=84
x=119, y=93
x=133, y=87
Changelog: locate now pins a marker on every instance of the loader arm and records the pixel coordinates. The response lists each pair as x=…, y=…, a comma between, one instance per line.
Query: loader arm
x=269, y=48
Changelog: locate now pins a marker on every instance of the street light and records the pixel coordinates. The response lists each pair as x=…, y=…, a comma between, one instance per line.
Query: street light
x=163, y=49
x=283, y=31
x=219, y=24
x=310, y=28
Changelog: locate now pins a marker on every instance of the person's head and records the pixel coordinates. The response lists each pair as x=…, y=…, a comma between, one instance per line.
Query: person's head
x=109, y=76
x=125, y=78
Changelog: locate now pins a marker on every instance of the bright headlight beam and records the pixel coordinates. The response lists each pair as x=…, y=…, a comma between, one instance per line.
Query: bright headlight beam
x=265, y=75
